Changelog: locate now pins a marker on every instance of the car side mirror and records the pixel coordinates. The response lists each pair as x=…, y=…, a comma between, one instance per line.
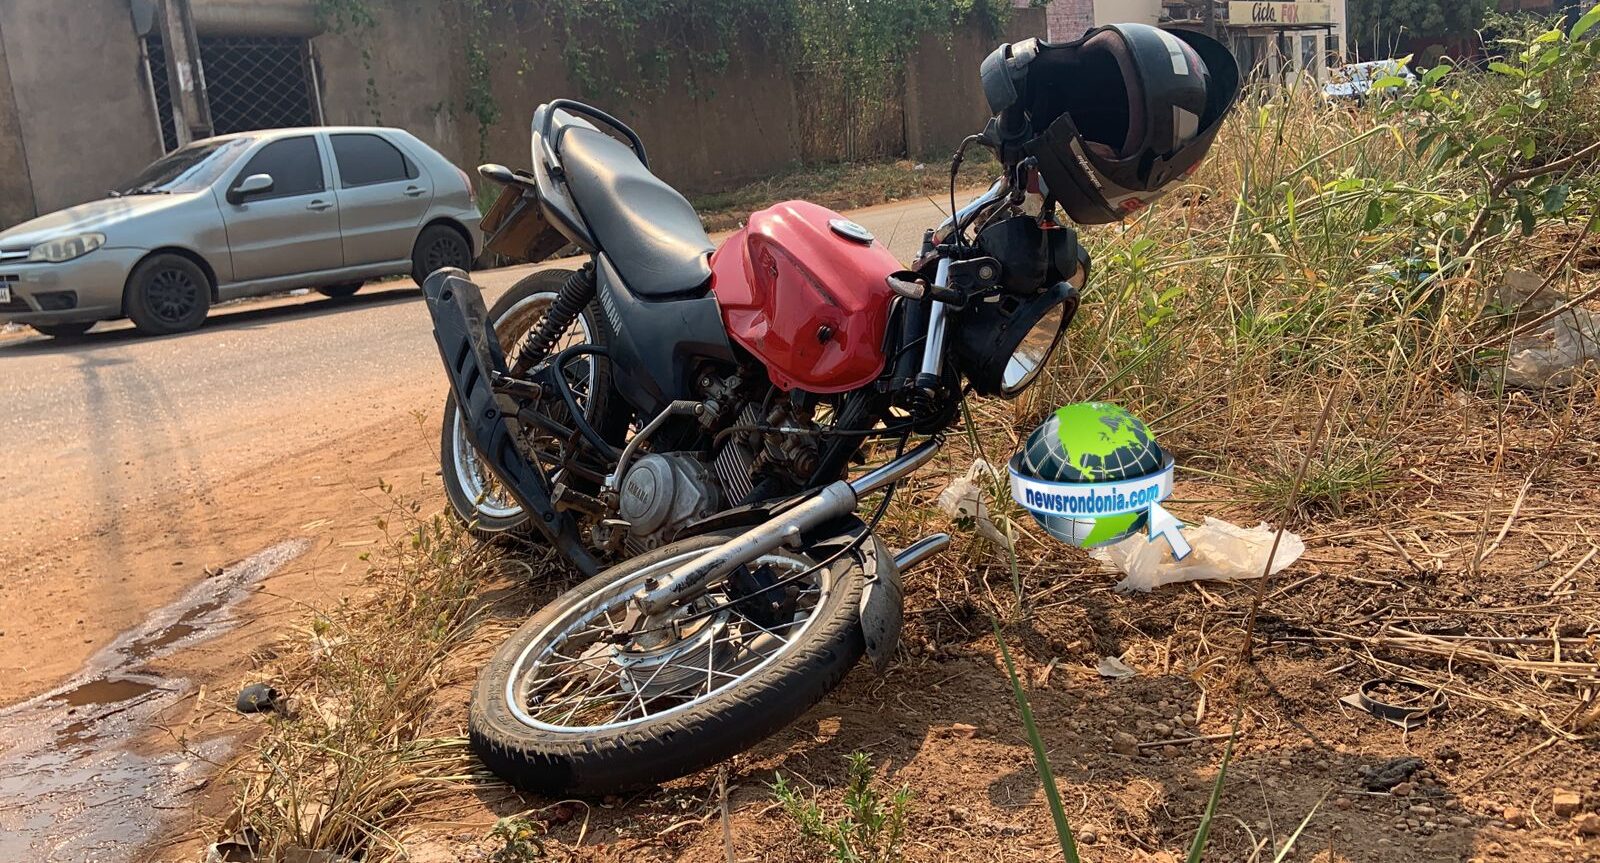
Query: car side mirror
x=255, y=184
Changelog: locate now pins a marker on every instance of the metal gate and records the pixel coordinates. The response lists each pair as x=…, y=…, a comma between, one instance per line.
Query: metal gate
x=251, y=82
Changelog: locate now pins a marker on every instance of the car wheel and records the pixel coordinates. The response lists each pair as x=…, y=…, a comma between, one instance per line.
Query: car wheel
x=340, y=291
x=167, y=294
x=64, y=331
x=439, y=246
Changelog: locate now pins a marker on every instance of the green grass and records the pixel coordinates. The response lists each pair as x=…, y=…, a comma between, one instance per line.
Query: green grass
x=1355, y=475
x=869, y=827
x=1041, y=758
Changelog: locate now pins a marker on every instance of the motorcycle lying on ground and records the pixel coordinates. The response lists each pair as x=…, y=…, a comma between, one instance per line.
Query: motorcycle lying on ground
x=692, y=415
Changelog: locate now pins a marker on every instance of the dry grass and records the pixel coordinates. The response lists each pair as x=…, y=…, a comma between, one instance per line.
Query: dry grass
x=1447, y=520
x=1229, y=313
x=353, y=747
x=843, y=186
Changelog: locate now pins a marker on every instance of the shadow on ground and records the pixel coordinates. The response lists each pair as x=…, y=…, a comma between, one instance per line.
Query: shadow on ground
x=223, y=318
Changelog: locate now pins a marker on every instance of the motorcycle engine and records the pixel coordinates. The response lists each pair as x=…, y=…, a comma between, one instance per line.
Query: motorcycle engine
x=661, y=493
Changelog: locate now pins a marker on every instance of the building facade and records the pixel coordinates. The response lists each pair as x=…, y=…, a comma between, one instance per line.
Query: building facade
x=89, y=98
x=91, y=91
x=1277, y=40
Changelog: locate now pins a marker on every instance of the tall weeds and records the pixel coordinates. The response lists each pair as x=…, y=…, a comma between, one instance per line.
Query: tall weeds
x=1335, y=242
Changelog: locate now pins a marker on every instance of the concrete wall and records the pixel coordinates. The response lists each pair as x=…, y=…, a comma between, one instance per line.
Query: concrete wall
x=1127, y=11
x=413, y=59
x=743, y=124
x=255, y=17
x=16, y=187
x=944, y=99
x=1069, y=19
x=82, y=118
x=85, y=116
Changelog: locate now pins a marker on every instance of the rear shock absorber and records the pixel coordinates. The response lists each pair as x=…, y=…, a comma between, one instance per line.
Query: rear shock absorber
x=578, y=292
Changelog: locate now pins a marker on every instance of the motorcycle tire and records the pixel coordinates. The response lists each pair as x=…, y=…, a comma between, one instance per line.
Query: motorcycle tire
x=515, y=314
x=644, y=753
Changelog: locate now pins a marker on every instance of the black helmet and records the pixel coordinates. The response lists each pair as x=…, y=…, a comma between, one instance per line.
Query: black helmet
x=1114, y=117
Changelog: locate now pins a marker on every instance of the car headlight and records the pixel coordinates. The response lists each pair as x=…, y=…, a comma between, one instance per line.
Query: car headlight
x=66, y=248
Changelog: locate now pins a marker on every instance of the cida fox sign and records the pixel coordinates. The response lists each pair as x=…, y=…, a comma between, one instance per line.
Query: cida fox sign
x=1243, y=14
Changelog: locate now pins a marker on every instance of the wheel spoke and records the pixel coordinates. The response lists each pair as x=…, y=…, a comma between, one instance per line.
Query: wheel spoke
x=479, y=484
x=747, y=619
x=578, y=686
x=711, y=659
x=584, y=702
x=638, y=693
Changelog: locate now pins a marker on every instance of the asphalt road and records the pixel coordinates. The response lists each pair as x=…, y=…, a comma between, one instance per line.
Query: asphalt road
x=129, y=465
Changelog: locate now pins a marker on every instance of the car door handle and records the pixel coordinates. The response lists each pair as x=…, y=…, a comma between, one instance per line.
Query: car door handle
x=415, y=191
x=319, y=206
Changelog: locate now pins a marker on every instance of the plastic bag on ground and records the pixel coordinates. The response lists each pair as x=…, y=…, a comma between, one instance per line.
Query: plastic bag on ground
x=963, y=499
x=1553, y=352
x=1221, y=552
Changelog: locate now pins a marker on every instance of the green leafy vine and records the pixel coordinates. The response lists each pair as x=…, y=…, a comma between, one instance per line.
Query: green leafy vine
x=354, y=18
x=631, y=50
x=634, y=49
x=480, y=101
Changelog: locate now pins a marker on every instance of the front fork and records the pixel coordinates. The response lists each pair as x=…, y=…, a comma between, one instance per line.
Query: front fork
x=932, y=369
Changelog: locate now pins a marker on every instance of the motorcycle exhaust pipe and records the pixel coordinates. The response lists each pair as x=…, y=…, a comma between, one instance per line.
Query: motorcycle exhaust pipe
x=921, y=550
x=834, y=500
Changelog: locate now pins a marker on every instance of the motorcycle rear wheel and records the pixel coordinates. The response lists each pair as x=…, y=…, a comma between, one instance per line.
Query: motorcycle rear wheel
x=475, y=496
x=594, y=747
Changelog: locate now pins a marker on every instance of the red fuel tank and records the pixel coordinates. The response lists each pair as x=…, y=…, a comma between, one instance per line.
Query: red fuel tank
x=803, y=289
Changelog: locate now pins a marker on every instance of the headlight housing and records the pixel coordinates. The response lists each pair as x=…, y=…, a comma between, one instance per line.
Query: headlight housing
x=65, y=248
x=1003, y=345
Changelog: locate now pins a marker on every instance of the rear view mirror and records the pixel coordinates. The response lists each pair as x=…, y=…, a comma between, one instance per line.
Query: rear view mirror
x=254, y=184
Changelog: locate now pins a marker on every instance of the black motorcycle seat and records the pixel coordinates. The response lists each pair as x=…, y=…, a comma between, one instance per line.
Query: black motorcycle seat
x=650, y=232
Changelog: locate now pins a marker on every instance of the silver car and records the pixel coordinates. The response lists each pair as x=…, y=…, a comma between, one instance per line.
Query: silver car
x=241, y=215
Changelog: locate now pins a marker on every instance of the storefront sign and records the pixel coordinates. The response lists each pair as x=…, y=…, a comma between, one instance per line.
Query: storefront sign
x=1278, y=14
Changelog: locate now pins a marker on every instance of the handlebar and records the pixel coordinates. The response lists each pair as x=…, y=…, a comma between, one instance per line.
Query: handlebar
x=963, y=216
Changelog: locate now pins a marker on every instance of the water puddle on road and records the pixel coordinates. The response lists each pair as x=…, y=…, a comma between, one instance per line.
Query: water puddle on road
x=72, y=785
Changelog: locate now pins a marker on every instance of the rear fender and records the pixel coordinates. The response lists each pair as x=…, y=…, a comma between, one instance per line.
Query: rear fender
x=516, y=226
x=472, y=357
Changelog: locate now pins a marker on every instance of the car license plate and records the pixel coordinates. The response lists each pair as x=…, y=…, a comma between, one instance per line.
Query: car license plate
x=5, y=293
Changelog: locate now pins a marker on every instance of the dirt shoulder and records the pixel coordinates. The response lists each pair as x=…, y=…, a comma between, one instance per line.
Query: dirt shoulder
x=1477, y=781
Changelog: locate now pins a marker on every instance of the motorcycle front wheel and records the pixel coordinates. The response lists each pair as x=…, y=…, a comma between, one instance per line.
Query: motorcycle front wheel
x=476, y=497
x=580, y=701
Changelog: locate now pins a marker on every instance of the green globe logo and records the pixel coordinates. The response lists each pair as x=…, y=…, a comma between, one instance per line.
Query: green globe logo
x=1090, y=442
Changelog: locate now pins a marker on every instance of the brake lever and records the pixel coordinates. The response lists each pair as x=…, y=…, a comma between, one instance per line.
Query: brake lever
x=916, y=289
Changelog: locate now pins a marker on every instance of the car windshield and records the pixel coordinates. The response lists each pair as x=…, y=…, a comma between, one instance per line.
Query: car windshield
x=187, y=169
